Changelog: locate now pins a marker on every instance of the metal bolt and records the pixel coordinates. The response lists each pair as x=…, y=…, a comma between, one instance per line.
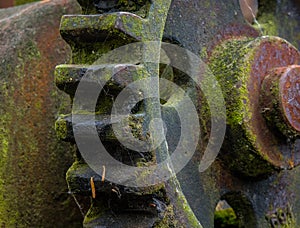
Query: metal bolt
x=280, y=100
x=261, y=84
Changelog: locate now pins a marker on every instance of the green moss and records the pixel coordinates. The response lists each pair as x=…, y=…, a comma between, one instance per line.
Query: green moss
x=31, y=52
x=284, y=217
x=133, y=26
x=226, y=219
x=274, y=114
x=84, y=26
x=77, y=168
x=61, y=128
x=136, y=125
x=203, y=54
x=267, y=24
x=169, y=220
x=182, y=206
x=18, y=150
x=4, y=157
x=90, y=53
x=231, y=63
x=89, y=23
x=232, y=77
x=290, y=219
x=143, y=177
x=87, y=52
x=191, y=218
x=96, y=211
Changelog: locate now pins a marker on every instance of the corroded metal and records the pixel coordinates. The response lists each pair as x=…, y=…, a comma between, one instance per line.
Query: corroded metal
x=258, y=159
x=289, y=91
x=280, y=99
x=5, y=4
x=89, y=35
x=30, y=48
x=246, y=63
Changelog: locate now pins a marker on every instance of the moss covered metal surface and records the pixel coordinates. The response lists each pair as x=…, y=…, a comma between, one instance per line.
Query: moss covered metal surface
x=241, y=66
x=32, y=161
x=207, y=28
x=280, y=100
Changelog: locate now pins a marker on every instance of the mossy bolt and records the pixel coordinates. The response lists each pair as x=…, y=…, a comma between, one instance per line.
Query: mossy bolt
x=256, y=102
x=280, y=98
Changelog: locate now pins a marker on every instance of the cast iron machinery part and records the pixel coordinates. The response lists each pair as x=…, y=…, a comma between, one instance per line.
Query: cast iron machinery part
x=243, y=64
x=87, y=34
x=262, y=128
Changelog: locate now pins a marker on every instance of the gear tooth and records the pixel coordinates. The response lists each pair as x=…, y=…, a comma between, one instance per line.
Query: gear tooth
x=118, y=76
x=78, y=179
x=90, y=29
x=67, y=77
x=91, y=35
x=65, y=127
x=79, y=182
